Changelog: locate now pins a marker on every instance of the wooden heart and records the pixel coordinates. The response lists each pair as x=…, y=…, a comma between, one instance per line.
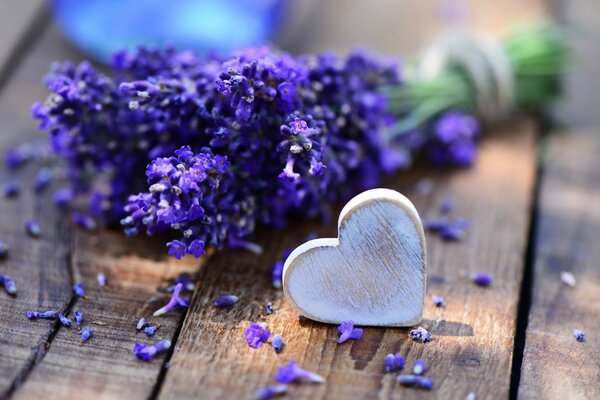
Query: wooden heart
x=372, y=274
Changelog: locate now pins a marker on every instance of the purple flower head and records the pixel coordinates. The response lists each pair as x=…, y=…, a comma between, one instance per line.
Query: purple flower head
x=269, y=308
x=79, y=290
x=50, y=314
x=419, y=367
x=33, y=228
x=256, y=334
x=42, y=180
x=9, y=285
x=147, y=352
x=175, y=302
x=277, y=343
x=78, y=317
x=12, y=189
x=64, y=320
x=270, y=392
x=142, y=323
x=415, y=381
x=579, y=335
x=84, y=221
x=483, y=279
x=226, y=300
x=292, y=372
x=101, y=279
x=437, y=300
x=3, y=249
x=348, y=331
x=86, y=333
x=150, y=330
x=420, y=335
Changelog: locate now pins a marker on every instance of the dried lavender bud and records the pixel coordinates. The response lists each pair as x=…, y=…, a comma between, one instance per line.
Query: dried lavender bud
x=415, y=381
x=348, y=331
x=400, y=363
x=42, y=180
x=147, y=353
x=175, y=302
x=389, y=363
x=33, y=228
x=78, y=317
x=292, y=372
x=9, y=285
x=86, y=333
x=101, y=278
x=150, y=330
x=50, y=314
x=63, y=197
x=226, y=300
x=84, y=221
x=579, y=335
x=419, y=367
x=270, y=392
x=79, y=290
x=420, y=335
x=12, y=189
x=64, y=320
x=437, y=300
x=483, y=279
x=277, y=343
x=142, y=323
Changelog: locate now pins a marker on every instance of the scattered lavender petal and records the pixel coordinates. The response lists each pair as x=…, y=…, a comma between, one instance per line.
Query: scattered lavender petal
x=419, y=367
x=175, y=302
x=50, y=314
x=84, y=221
x=438, y=301
x=79, y=290
x=147, y=353
x=12, y=189
x=64, y=320
x=9, y=285
x=420, y=335
x=348, y=331
x=86, y=334
x=483, y=279
x=142, y=323
x=292, y=372
x=400, y=363
x=3, y=249
x=579, y=335
x=270, y=392
x=63, y=197
x=276, y=274
x=101, y=278
x=150, y=330
x=568, y=278
x=78, y=317
x=269, y=308
x=389, y=363
x=256, y=334
x=277, y=343
x=33, y=228
x=226, y=300
x=415, y=381
x=42, y=180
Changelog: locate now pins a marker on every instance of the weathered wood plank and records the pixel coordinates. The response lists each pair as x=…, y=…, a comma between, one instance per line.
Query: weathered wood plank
x=555, y=365
x=473, y=334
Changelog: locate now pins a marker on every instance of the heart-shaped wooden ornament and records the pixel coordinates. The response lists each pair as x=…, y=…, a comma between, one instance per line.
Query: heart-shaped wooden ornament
x=373, y=273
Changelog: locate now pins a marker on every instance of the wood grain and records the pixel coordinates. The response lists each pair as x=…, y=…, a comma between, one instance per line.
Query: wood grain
x=555, y=365
x=473, y=334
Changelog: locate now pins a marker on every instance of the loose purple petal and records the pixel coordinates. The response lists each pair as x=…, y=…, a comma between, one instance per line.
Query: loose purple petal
x=9, y=285
x=50, y=314
x=256, y=334
x=292, y=372
x=568, y=278
x=175, y=302
x=348, y=331
x=277, y=343
x=42, y=180
x=415, y=381
x=579, y=335
x=142, y=323
x=86, y=333
x=226, y=300
x=64, y=320
x=420, y=335
x=12, y=189
x=419, y=367
x=150, y=330
x=101, y=278
x=3, y=249
x=147, y=353
x=483, y=279
x=400, y=362
x=389, y=363
x=79, y=290
x=437, y=300
x=78, y=317
x=269, y=308
x=84, y=221
x=270, y=392
x=33, y=228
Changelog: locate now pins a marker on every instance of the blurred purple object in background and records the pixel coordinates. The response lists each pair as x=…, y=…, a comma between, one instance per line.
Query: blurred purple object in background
x=101, y=27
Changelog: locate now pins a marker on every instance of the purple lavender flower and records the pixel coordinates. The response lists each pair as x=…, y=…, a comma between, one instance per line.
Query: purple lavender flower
x=9, y=285
x=142, y=323
x=269, y=308
x=78, y=317
x=453, y=141
x=64, y=320
x=84, y=221
x=42, y=180
x=3, y=249
x=292, y=372
x=101, y=279
x=415, y=381
x=226, y=300
x=276, y=274
x=277, y=343
x=150, y=330
x=420, y=335
x=348, y=331
x=146, y=353
x=12, y=189
x=256, y=334
x=33, y=228
x=437, y=300
x=79, y=290
x=175, y=302
x=483, y=279
x=389, y=363
x=270, y=392
x=419, y=367
x=50, y=314
x=86, y=334
x=579, y=335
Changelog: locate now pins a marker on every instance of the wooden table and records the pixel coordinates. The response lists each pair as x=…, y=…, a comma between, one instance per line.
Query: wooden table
x=534, y=205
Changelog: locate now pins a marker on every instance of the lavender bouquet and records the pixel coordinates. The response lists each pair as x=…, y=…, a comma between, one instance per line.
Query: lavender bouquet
x=207, y=147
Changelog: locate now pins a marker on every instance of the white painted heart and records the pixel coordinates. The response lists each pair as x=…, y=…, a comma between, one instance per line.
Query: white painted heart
x=372, y=274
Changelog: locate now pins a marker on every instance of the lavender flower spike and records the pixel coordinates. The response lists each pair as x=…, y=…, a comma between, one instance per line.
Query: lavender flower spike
x=270, y=392
x=86, y=334
x=483, y=279
x=292, y=372
x=348, y=331
x=579, y=335
x=50, y=314
x=226, y=300
x=175, y=301
x=277, y=343
x=420, y=335
x=147, y=353
x=9, y=285
x=64, y=320
x=415, y=381
x=419, y=367
x=79, y=290
x=256, y=334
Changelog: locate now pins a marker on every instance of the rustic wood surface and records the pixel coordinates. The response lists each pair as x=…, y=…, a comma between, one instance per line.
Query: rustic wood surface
x=473, y=334
x=555, y=365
